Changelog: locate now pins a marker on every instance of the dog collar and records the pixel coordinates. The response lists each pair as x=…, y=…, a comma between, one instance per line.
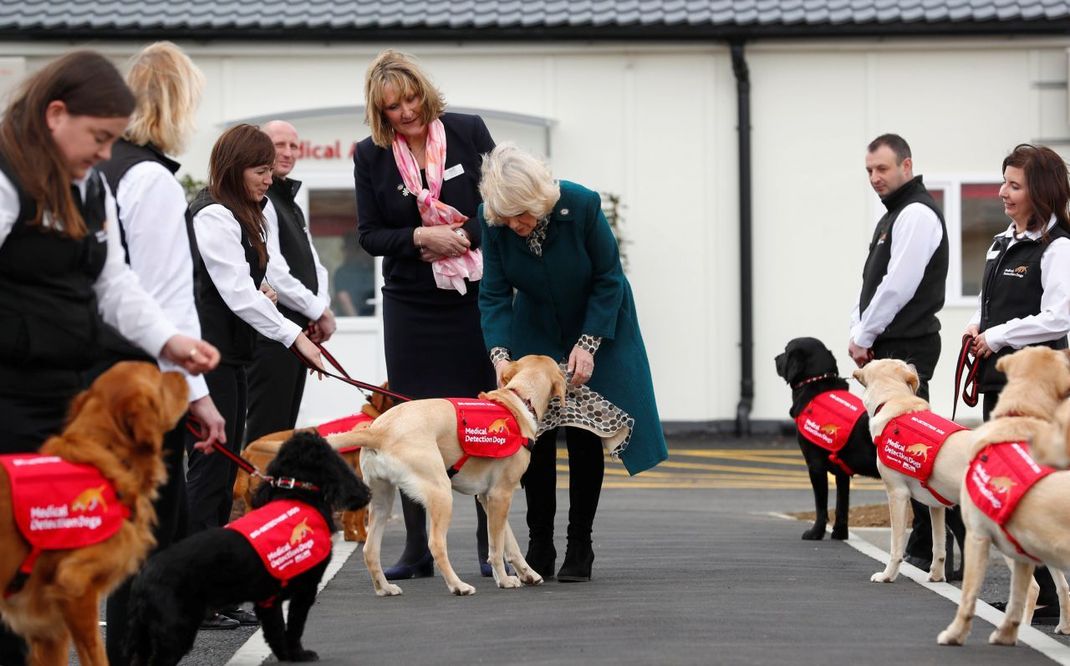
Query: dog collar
x=527, y=404
x=289, y=483
x=811, y=380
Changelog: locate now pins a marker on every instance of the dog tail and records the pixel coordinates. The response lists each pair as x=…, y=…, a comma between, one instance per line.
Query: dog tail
x=366, y=438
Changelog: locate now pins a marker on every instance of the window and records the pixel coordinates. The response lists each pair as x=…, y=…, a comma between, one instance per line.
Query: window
x=974, y=214
x=332, y=215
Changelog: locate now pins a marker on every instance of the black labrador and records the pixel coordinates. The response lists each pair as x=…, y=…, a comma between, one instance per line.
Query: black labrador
x=218, y=568
x=810, y=369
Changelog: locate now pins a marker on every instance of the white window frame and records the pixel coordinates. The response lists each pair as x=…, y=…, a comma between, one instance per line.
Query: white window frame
x=951, y=185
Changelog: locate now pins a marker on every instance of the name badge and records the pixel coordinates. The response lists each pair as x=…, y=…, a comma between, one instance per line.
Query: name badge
x=453, y=171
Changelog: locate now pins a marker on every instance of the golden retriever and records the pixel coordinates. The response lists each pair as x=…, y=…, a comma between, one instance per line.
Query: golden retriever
x=1038, y=378
x=117, y=426
x=890, y=386
x=412, y=445
x=263, y=450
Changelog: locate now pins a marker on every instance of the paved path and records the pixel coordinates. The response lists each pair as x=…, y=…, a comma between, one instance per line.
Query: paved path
x=692, y=567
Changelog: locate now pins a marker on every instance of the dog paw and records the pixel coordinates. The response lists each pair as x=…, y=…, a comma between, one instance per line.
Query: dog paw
x=388, y=590
x=881, y=577
x=1063, y=630
x=531, y=578
x=839, y=534
x=946, y=637
x=814, y=534
x=463, y=590
x=509, y=582
x=1004, y=635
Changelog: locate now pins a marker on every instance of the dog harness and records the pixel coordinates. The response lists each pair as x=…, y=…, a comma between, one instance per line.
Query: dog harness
x=998, y=478
x=344, y=424
x=910, y=443
x=290, y=537
x=59, y=505
x=827, y=422
x=485, y=429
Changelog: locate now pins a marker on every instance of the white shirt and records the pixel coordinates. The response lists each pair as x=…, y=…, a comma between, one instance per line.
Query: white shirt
x=152, y=207
x=916, y=236
x=292, y=293
x=122, y=302
x=1053, y=320
x=219, y=241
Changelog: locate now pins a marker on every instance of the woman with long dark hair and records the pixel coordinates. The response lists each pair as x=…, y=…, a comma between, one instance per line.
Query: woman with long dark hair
x=230, y=264
x=1025, y=291
x=62, y=270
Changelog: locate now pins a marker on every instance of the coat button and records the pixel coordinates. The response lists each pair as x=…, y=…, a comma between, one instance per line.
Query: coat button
x=564, y=211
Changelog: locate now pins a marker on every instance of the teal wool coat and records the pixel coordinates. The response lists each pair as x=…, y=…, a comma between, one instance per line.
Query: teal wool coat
x=577, y=286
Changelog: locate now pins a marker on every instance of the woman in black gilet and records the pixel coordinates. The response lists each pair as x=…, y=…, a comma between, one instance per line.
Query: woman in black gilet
x=62, y=273
x=229, y=263
x=1025, y=292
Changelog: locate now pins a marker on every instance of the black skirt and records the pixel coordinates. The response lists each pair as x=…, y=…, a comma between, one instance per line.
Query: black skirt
x=434, y=343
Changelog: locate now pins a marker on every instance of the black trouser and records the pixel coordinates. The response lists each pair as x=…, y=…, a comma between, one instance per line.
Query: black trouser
x=276, y=386
x=210, y=478
x=586, y=467
x=922, y=353
x=1048, y=594
x=172, y=524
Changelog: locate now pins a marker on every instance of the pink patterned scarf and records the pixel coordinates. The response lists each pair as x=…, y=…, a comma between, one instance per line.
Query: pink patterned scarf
x=450, y=272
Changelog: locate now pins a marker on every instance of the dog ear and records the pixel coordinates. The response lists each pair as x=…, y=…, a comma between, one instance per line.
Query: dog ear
x=78, y=404
x=913, y=381
x=141, y=414
x=509, y=372
x=860, y=376
x=558, y=387
x=1002, y=363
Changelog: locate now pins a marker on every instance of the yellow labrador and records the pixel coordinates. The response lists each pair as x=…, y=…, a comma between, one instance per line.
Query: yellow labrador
x=1038, y=378
x=890, y=385
x=413, y=444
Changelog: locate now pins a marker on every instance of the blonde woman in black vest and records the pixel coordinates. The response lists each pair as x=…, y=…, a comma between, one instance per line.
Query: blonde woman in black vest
x=1025, y=291
x=62, y=273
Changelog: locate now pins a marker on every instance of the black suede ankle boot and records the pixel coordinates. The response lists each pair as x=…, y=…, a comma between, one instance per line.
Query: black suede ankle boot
x=542, y=557
x=579, y=556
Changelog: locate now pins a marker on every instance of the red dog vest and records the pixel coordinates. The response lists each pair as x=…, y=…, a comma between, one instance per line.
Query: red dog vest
x=827, y=422
x=999, y=477
x=59, y=505
x=290, y=537
x=910, y=443
x=344, y=424
x=485, y=429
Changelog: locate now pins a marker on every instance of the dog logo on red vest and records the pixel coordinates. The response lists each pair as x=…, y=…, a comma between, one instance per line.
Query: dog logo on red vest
x=919, y=450
x=830, y=429
x=500, y=426
x=89, y=499
x=300, y=531
x=1002, y=484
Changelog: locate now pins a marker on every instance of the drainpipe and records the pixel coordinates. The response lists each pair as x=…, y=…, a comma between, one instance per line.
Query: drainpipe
x=746, y=290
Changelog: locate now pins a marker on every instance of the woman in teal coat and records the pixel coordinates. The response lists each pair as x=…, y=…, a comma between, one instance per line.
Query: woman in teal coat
x=550, y=242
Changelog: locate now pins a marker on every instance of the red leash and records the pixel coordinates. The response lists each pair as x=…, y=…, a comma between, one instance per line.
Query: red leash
x=344, y=376
x=195, y=426
x=968, y=365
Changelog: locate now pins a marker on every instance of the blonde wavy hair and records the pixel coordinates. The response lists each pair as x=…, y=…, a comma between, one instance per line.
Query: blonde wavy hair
x=515, y=182
x=401, y=72
x=168, y=88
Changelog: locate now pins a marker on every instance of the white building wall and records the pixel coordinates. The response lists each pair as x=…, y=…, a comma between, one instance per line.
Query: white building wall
x=657, y=124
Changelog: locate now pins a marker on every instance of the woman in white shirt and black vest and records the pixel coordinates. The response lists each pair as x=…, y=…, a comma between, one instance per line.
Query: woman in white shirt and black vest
x=1025, y=291
x=62, y=273
x=230, y=261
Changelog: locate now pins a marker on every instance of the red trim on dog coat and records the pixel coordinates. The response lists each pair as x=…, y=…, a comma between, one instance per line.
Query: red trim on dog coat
x=999, y=477
x=344, y=424
x=59, y=505
x=827, y=421
x=290, y=537
x=910, y=443
x=485, y=429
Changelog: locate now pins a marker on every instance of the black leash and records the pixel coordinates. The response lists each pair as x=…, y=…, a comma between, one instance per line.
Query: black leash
x=968, y=365
x=344, y=376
